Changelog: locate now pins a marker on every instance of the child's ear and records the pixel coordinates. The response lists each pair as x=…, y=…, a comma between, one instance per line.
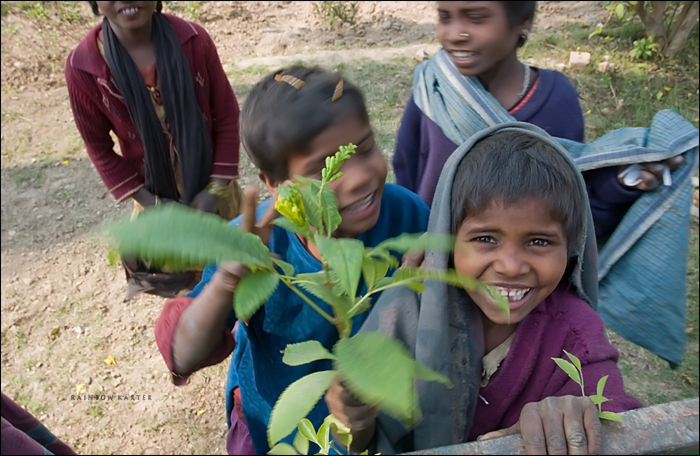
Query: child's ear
x=526, y=24
x=270, y=184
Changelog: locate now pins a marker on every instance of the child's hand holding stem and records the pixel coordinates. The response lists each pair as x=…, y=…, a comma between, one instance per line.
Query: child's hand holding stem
x=200, y=326
x=359, y=417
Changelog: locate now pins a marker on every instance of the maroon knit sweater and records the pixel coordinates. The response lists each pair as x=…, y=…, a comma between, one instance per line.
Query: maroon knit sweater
x=98, y=107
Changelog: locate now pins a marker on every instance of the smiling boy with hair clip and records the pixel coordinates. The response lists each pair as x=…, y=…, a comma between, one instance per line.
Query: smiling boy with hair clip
x=290, y=123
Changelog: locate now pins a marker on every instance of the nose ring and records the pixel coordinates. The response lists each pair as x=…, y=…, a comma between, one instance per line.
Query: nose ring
x=464, y=35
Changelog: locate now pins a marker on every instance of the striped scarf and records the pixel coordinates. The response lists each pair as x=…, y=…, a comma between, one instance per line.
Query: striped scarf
x=642, y=266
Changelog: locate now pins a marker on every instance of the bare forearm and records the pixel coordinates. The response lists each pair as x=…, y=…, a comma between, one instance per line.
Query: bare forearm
x=199, y=327
x=144, y=197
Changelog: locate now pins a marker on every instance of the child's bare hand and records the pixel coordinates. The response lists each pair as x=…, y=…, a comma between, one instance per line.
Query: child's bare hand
x=557, y=425
x=263, y=228
x=347, y=408
x=413, y=258
x=231, y=273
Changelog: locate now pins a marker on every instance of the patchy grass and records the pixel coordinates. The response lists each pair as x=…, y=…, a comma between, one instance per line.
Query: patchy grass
x=633, y=91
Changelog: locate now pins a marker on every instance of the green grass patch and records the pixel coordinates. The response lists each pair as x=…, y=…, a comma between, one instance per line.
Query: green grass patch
x=632, y=92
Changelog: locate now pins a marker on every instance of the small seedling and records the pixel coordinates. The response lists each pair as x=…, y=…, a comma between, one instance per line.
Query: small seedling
x=574, y=371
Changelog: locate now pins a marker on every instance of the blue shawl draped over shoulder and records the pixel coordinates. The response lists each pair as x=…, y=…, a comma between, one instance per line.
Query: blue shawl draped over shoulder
x=642, y=266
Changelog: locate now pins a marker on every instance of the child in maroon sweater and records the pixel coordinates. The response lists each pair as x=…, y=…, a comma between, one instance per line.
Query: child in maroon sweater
x=518, y=208
x=157, y=83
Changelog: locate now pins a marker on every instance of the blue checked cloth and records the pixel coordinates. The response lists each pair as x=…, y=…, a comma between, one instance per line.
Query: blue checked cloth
x=642, y=266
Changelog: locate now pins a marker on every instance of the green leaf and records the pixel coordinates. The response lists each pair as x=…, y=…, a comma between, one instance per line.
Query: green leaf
x=301, y=443
x=601, y=385
x=382, y=254
x=330, y=215
x=632, y=3
x=287, y=268
x=305, y=352
x=252, y=292
x=620, y=10
x=596, y=31
x=417, y=287
x=284, y=448
x=309, y=190
x=569, y=368
x=307, y=430
x=335, y=162
x=314, y=283
x=598, y=399
x=430, y=375
x=342, y=431
x=574, y=360
x=612, y=416
x=407, y=276
x=344, y=256
x=336, y=425
x=410, y=241
x=183, y=238
x=374, y=270
x=288, y=225
x=113, y=257
x=323, y=437
x=296, y=402
x=380, y=372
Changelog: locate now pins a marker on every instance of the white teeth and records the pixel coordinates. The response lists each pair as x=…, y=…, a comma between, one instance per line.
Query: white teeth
x=462, y=55
x=130, y=11
x=364, y=204
x=513, y=294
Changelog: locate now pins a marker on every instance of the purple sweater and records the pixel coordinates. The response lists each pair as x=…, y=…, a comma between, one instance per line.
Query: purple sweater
x=563, y=321
x=552, y=104
x=22, y=433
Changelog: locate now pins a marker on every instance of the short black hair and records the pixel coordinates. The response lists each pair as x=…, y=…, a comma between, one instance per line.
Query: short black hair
x=279, y=121
x=96, y=10
x=511, y=166
x=517, y=12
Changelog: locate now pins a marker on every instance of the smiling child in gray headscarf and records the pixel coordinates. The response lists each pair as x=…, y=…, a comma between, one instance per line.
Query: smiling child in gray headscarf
x=518, y=208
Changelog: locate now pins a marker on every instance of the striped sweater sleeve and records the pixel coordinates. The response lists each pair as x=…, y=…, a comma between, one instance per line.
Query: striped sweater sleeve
x=120, y=176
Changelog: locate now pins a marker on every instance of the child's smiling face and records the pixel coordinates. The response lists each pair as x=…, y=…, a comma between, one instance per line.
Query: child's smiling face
x=128, y=15
x=477, y=35
x=519, y=249
x=359, y=190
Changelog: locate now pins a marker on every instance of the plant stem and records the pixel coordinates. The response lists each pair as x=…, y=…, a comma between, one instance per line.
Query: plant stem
x=358, y=303
x=308, y=301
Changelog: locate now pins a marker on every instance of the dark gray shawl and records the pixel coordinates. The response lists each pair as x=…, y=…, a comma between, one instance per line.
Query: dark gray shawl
x=443, y=330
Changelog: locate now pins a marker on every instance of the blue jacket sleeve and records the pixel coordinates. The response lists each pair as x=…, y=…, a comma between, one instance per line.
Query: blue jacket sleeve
x=407, y=152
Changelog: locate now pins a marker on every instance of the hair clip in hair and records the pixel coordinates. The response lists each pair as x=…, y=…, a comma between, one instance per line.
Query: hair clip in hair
x=338, y=92
x=291, y=80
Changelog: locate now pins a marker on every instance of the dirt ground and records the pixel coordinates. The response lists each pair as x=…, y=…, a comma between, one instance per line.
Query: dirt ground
x=55, y=272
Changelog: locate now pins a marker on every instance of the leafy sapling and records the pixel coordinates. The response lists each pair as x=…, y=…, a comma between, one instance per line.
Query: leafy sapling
x=377, y=369
x=573, y=370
